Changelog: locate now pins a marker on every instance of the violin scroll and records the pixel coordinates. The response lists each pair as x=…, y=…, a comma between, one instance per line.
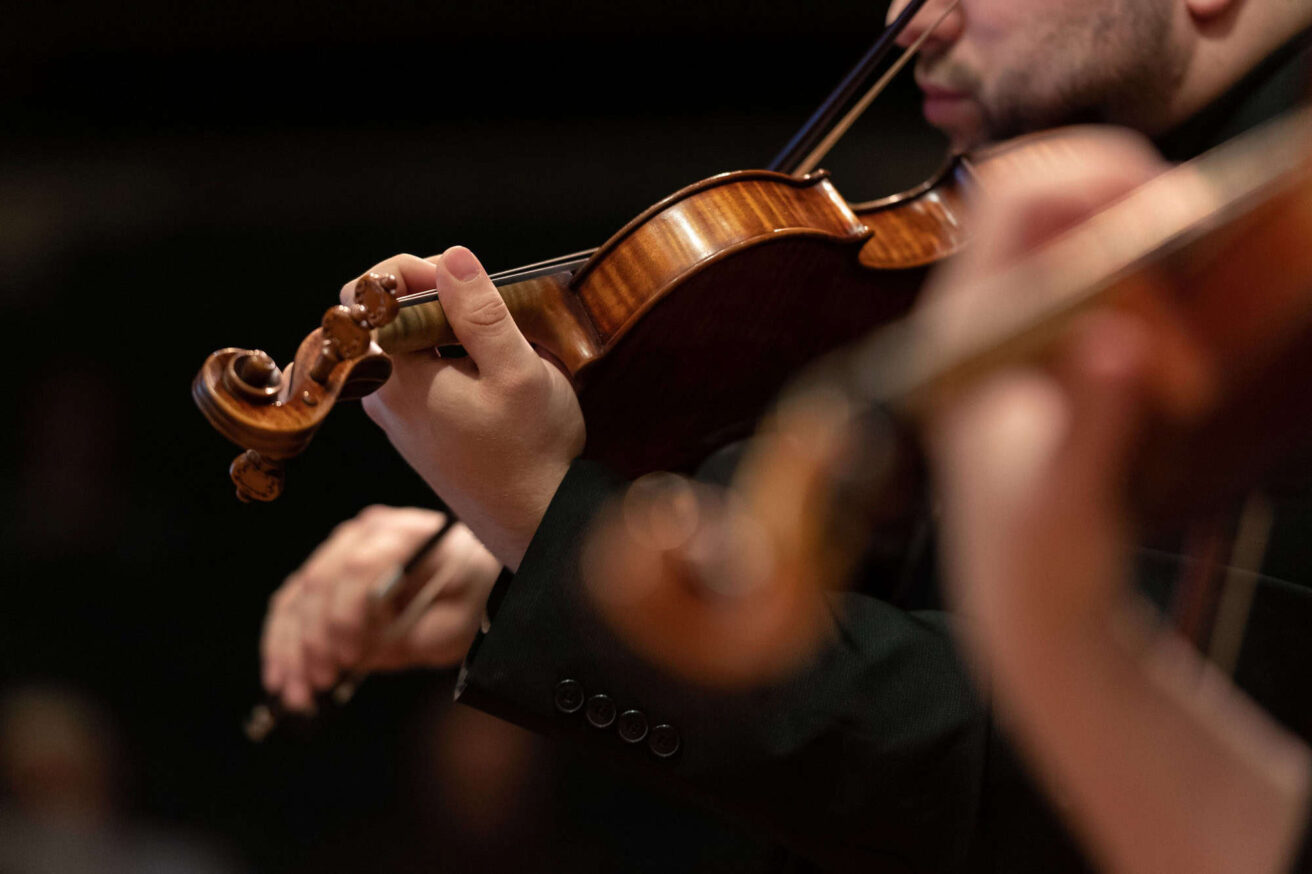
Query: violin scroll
x=273, y=413
x=253, y=375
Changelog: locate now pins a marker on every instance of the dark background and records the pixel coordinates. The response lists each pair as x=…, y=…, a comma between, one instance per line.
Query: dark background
x=176, y=178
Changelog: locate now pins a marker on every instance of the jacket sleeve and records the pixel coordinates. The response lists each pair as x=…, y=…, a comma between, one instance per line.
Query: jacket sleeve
x=877, y=754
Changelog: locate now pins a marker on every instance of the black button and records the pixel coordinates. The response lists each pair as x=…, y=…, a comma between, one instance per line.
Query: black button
x=632, y=726
x=601, y=711
x=569, y=696
x=663, y=741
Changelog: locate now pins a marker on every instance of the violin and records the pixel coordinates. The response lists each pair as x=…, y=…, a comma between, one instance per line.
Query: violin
x=726, y=587
x=676, y=332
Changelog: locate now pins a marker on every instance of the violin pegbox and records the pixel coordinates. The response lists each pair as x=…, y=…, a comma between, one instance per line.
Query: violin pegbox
x=273, y=413
x=347, y=330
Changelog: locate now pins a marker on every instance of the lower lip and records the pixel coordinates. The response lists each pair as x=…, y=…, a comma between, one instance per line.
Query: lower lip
x=942, y=108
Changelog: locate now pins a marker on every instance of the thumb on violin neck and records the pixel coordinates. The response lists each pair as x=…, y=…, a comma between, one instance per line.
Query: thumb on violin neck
x=478, y=314
x=461, y=263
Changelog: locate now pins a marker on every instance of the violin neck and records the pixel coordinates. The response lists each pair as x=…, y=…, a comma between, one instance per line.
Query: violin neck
x=561, y=264
x=539, y=299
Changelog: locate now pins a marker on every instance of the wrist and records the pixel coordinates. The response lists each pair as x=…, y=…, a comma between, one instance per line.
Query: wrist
x=508, y=529
x=536, y=509
x=1033, y=655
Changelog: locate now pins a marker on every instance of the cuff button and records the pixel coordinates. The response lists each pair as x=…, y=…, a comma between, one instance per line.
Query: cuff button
x=569, y=696
x=600, y=712
x=632, y=726
x=663, y=740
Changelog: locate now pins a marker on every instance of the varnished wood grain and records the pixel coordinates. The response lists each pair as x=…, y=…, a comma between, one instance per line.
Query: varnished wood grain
x=283, y=428
x=702, y=224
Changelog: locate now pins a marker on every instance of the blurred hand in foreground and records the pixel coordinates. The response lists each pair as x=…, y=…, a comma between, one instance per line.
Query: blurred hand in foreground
x=1160, y=762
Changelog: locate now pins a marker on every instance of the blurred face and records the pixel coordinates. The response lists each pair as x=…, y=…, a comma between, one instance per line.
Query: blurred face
x=994, y=69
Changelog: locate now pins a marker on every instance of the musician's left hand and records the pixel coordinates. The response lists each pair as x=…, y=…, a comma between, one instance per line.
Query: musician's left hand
x=494, y=433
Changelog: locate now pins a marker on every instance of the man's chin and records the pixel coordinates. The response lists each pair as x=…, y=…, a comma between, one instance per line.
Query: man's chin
x=958, y=118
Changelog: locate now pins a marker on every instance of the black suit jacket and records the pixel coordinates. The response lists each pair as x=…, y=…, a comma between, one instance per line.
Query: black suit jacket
x=877, y=756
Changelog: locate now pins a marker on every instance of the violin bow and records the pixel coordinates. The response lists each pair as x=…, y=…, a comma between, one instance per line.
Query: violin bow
x=851, y=98
x=840, y=110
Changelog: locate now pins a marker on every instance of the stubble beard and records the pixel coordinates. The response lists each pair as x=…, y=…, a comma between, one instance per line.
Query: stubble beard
x=1128, y=73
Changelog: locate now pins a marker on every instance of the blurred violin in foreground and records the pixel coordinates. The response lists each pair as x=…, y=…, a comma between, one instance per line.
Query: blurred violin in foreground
x=727, y=587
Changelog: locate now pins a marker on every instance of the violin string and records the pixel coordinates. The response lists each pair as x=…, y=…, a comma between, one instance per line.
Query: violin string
x=558, y=264
x=817, y=154
x=561, y=264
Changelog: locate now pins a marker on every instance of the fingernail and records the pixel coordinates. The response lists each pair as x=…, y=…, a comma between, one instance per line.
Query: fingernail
x=297, y=698
x=461, y=263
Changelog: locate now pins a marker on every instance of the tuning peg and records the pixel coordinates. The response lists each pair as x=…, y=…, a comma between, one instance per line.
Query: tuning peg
x=375, y=292
x=257, y=477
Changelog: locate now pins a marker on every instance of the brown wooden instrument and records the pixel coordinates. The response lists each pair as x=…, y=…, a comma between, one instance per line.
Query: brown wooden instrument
x=676, y=332
x=1214, y=254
